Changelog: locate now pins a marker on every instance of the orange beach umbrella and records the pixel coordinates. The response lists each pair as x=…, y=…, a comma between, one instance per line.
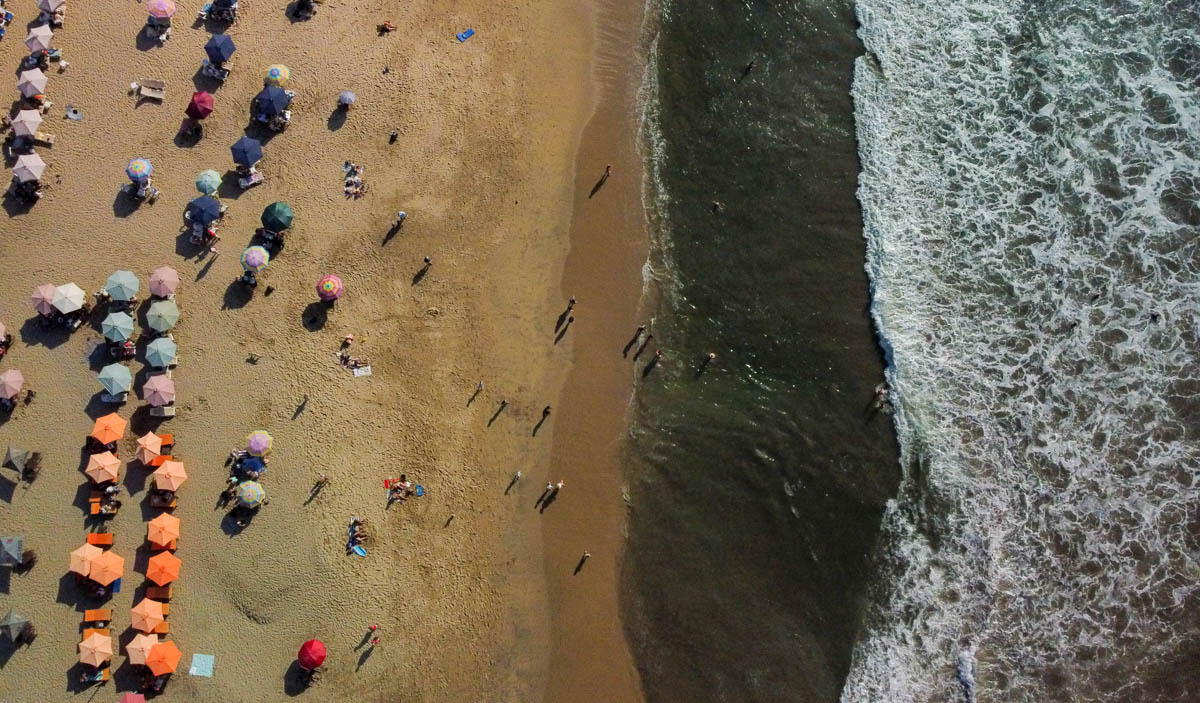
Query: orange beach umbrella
x=149, y=447
x=170, y=476
x=96, y=649
x=81, y=559
x=147, y=615
x=109, y=428
x=163, y=658
x=103, y=467
x=139, y=648
x=163, y=529
x=106, y=568
x=163, y=568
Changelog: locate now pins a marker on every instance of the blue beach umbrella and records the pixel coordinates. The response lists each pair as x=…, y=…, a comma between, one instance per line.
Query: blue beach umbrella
x=219, y=48
x=115, y=378
x=205, y=209
x=161, y=352
x=247, y=151
x=208, y=182
x=271, y=101
x=254, y=463
x=122, y=285
x=117, y=327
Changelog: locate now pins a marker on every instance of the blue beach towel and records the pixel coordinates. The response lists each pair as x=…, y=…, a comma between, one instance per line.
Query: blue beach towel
x=465, y=34
x=420, y=490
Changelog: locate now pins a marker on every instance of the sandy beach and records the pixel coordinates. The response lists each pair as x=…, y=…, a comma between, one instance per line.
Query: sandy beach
x=469, y=607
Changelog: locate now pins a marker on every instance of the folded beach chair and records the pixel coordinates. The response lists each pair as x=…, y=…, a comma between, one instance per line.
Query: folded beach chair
x=97, y=615
x=162, y=593
x=100, y=539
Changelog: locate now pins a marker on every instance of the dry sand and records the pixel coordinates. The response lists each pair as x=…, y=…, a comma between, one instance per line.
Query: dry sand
x=484, y=165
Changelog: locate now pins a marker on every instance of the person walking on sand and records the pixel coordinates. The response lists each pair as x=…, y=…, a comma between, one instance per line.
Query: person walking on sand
x=571, y=304
x=479, y=386
x=400, y=218
x=558, y=486
x=545, y=412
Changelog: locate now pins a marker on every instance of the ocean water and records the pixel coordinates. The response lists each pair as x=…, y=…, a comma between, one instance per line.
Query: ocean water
x=757, y=485
x=1030, y=184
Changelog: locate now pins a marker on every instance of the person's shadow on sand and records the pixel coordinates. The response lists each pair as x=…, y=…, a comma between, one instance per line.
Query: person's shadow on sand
x=362, y=658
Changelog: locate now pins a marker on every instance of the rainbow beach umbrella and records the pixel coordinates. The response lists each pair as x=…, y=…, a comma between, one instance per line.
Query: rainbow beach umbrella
x=255, y=259
x=139, y=169
x=251, y=494
x=329, y=287
x=161, y=9
x=278, y=74
x=259, y=443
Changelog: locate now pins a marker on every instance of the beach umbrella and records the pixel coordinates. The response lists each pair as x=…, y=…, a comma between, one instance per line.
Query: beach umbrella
x=137, y=650
x=106, y=567
x=162, y=315
x=312, y=654
x=347, y=97
x=278, y=74
x=12, y=624
x=149, y=447
x=253, y=463
x=115, y=378
x=31, y=82
x=163, y=658
x=16, y=457
x=161, y=9
x=11, y=382
x=11, y=549
x=247, y=151
x=163, y=529
x=147, y=614
x=39, y=37
x=219, y=48
x=251, y=494
x=50, y=5
x=29, y=167
x=103, y=467
x=109, y=428
x=163, y=568
x=208, y=182
x=96, y=649
x=26, y=123
x=160, y=353
x=122, y=285
x=277, y=217
x=259, y=443
x=68, y=298
x=117, y=326
x=170, y=476
x=329, y=287
x=139, y=169
x=255, y=259
x=81, y=558
x=159, y=390
x=271, y=101
x=205, y=209
x=201, y=105
x=43, y=299
x=164, y=280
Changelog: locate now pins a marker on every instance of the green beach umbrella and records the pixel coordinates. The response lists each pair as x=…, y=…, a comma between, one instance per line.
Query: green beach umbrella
x=16, y=457
x=13, y=623
x=117, y=327
x=251, y=494
x=277, y=217
x=208, y=182
x=161, y=352
x=162, y=315
x=115, y=378
x=10, y=550
x=122, y=285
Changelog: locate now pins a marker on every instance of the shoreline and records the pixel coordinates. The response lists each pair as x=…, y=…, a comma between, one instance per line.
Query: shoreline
x=590, y=655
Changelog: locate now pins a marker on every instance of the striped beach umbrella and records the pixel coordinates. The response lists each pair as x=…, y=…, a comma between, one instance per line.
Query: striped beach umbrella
x=161, y=9
x=117, y=327
x=259, y=443
x=208, y=182
x=161, y=352
x=251, y=494
x=255, y=259
x=278, y=74
x=329, y=287
x=68, y=298
x=139, y=169
x=162, y=315
x=122, y=285
x=11, y=382
x=115, y=378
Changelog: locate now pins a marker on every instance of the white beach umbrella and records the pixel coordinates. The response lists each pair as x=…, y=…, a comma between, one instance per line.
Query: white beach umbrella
x=68, y=298
x=30, y=83
x=50, y=5
x=39, y=38
x=29, y=167
x=26, y=123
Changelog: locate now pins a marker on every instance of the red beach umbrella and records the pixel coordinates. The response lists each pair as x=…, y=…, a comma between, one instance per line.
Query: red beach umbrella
x=201, y=105
x=312, y=654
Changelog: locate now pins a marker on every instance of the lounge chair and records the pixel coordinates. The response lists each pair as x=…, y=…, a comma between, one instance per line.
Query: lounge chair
x=164, y=411
x=118, y=399
x=170, y=547
x=151, y=90
x=251, y=180
x=100, y=539
x=103, y=632
x=160, y=459
x=163, y=628
x=167, y=439
x=211, y=70
x=98, y=615
x=101, y=676
x=43, y=139
x=162, y=593
x=163, y=372
x=158, y=500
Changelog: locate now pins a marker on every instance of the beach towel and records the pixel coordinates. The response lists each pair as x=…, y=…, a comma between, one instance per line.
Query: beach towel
x=465, y=34
x=202, y=665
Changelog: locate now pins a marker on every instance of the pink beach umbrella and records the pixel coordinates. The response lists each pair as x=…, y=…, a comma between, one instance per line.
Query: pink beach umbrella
x=11, y=382
x=31, y=82
x=164, y=281
x=162, y=9
x=258, y=443
x=43, y=299
x=329, y=288
x=39, y=38
x=159, y=390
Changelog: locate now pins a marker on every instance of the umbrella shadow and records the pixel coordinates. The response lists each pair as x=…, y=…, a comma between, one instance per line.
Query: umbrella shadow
x=135, y=481
x=124, y=204
x=7, y=650
x=33, y=332
x=314, y=316
x=293, y=680
x=15, y=206
x=237, y=295
x=141, y=421
x=5, y=579
x=206, y=83
x=144, y=42
x=229, y=188
x=258, y=130
x=69, y=592
x=189, y=138
x=8, y=489
x=337, y=118
x=185, y=247
x=97, y=408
